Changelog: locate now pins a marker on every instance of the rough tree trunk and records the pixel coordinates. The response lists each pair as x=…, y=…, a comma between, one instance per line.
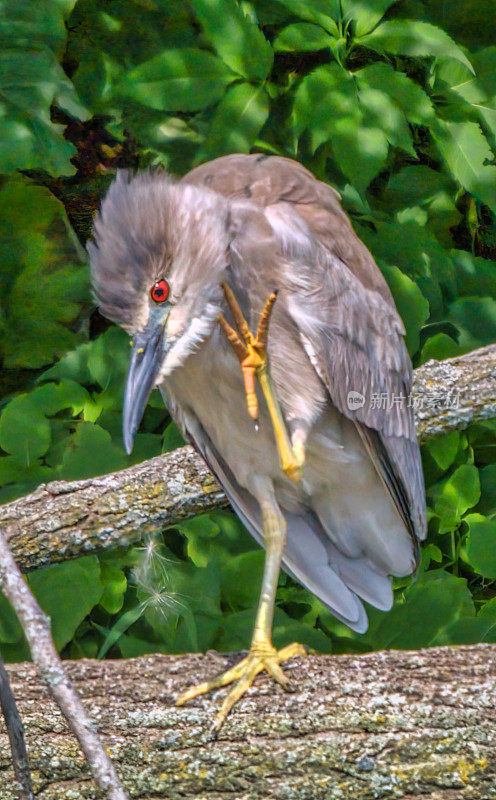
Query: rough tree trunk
x=383, y=725
x=400, y=725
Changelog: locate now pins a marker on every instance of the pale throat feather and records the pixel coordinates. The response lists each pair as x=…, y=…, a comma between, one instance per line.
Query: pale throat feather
x=188, y=342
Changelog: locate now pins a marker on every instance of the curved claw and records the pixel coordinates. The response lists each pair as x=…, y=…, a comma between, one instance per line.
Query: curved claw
x=261, y=657
x=252, y=356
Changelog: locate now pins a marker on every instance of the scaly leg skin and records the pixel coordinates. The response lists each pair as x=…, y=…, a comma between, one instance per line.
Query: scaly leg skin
x=263, y=655
x=252, y=355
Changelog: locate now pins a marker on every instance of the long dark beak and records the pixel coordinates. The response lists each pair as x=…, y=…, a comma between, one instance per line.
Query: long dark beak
x=146, y=360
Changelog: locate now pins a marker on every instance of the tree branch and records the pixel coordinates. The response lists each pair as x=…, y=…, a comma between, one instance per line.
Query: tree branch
x=15, y=732
x=452, y=394
x=391, y=724
x=63, y=520
x=36, y=627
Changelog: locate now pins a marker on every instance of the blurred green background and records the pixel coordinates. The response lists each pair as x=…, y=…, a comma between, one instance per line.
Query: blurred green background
x=394, y=104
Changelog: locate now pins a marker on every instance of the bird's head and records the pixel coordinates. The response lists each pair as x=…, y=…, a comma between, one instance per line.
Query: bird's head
x=158, y=256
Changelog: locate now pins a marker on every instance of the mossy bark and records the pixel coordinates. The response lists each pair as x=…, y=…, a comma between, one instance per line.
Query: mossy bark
x=382, y=725
x=63, y=520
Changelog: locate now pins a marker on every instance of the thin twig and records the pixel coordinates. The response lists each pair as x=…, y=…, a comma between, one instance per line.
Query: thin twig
x=36, y=627
x=15, y=730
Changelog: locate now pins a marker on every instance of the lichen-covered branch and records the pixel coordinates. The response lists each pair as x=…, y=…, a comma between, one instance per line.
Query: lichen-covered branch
x=36, y=627
x=63, y=520
x=452, y=394
x=381, y=725
x=15, y=731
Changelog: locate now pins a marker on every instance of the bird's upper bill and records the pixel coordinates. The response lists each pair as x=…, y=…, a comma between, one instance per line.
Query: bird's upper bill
x=158, y=257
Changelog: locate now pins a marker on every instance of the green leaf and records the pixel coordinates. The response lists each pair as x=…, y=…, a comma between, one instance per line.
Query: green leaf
x=488, y=614
x=465, y=149
x=51, y=398
x=408, y=95
x=107, y=42
x=10, y=627
x=454, y=496
x=237, y=121
x=470, y=22
x=323, y=12
x=479, y=90
x=326, y=87
x=303, y=36
x=430, y=606
x=237, y=628
x=202, y=532
x=241, y=579
x=380, y=110
x=414, y=39
x=67, y=593
x=91, y=452
x=475, y=318
x=133, y=647
x=201, y=525
x=420, y=188
x=487, y=503
x=467, y=630
x=474, y=275
x=412, y=306
x=129, y=30
x=360, y=148
x=416, y=185
x=361, y=151
x=237, y=40
x=365, y=14
x=114, y=587
x=439, y=347
x=431, y=553
x=25, y=432
x=119, y=628
x=414, y=249
x=31, y=81
x=173, y=438
x=481, y=544
x=35, y=24
x=286, y=631
x=184, y=611
x=443, y=449
x=44, y=279
x=182, y=79
x=108, y=359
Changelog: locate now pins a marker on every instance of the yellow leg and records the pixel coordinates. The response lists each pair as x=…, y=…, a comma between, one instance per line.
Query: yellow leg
x=252, y=355
x=262, y=655
x=292, y=458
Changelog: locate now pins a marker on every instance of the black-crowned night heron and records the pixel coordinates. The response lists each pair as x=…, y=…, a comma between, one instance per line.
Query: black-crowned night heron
x=312, y=437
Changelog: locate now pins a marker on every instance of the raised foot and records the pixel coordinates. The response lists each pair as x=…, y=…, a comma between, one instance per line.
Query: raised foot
x=251, y=352
x=261, y=657
x=293, y=468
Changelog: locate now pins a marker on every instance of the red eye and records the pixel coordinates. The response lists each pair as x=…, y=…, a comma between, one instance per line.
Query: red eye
x=160, y=291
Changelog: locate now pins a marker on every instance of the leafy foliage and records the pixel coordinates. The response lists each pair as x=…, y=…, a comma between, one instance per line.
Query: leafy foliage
x=394, y=103
x=32, y=40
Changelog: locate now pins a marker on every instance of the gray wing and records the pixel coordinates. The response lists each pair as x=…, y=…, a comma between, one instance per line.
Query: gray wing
x=308, y=553
x=343, y=309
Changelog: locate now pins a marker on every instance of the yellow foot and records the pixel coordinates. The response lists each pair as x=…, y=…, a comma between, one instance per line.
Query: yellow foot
x=251, y=350
x=293, y=468
x=252, y=355
x=261, y=657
